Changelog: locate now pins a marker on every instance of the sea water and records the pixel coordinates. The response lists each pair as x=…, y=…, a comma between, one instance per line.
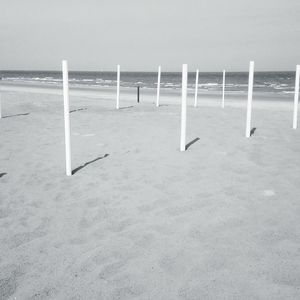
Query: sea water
x=275, y=82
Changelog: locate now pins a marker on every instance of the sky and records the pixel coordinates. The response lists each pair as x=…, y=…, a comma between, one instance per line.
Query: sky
x=96, y=35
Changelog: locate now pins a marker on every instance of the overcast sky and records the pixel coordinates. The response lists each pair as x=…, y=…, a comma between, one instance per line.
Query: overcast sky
x=141, y=34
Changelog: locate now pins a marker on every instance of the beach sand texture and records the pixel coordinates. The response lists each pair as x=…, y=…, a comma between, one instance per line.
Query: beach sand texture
x=139, y=219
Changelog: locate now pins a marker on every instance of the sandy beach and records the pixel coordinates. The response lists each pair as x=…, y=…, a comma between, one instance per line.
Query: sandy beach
x=139, y=219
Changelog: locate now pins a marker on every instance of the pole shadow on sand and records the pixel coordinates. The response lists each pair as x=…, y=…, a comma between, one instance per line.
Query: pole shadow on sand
x=88, y=163
x=252, y=131
x=187, y=146
x=2, y=174
x=10, y=116
x=126, y=107
x=74, y=110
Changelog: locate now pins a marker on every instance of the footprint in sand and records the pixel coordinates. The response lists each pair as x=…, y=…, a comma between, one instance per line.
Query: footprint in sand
x=23, y=238
x=268, y=193
x=9, y=278
x=92, y=202
x=4, y=213
x=112, y=269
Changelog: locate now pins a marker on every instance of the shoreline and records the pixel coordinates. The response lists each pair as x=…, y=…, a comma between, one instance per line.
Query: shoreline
x=261, y=100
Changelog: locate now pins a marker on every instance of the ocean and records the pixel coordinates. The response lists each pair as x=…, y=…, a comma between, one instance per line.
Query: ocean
x=274, y=82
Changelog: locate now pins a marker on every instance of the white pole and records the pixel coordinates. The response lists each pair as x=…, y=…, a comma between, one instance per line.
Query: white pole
x=67, y=117
x=118, y=87
x=183, y=107
x=223, y=96
x=158, y=86
x=249, y=103
x=296, y=100
x=196, y=88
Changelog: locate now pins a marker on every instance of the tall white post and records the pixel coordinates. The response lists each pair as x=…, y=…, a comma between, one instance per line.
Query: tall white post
x=67, y=116
x=249, y=103
x=183, y=107
x=196, y=88
x=223, y=94
x=296, y=100
x=118, y=87
x=158, y=86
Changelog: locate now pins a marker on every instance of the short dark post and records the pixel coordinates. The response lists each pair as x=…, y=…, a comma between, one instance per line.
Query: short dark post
x=138, y=94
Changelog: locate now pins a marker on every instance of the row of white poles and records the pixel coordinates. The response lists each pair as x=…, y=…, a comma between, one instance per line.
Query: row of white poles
x=183, y=104
x=158, y=88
